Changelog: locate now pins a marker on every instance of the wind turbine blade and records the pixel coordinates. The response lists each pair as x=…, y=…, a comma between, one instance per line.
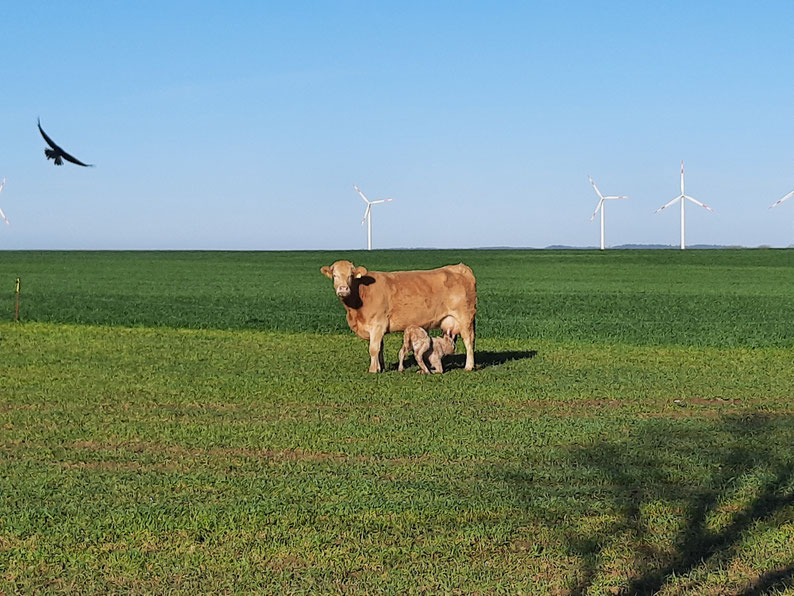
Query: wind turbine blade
x=600, y=204
x=673, y=202
x=358, y=190
x=379, y=202
x=696, y=202
x=366, y=213
x=3, y=215
x=598, y=192
x=682, y=177
x=775, y=204
x=617, y=197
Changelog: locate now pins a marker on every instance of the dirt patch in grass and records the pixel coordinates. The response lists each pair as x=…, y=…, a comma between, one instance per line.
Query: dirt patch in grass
x=121, y=466
x=271, y=455
x=716, y=401
x=184, y=452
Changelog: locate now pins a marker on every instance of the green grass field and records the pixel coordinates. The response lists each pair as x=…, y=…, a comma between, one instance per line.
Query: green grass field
x=203, y=422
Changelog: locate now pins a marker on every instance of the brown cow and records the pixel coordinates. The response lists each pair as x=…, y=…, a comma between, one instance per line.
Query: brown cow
x=416, y=340
x=378, y=303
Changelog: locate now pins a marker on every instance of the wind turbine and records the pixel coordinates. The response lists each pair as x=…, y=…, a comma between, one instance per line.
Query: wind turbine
x=683, y=197
x=600, y=206
x=368, y=214
x=3, y=215
x=775, y=204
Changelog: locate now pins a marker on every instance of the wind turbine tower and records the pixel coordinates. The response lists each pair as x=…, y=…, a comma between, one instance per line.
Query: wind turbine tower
x=600, y=207
x=683, y=198
x=368, y=214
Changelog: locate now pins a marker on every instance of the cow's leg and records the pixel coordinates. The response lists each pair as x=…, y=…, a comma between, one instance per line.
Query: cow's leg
x=375, y=351
x=467, y=333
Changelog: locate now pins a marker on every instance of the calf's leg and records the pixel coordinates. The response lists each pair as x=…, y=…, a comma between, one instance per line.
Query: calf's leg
x=435, y=363
x=420, y=349
x=403, y=351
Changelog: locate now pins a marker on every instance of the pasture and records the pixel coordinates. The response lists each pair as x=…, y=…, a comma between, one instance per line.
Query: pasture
x=203, y=422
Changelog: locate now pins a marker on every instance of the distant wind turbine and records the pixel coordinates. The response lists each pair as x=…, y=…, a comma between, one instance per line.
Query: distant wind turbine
x=600, y=206
x=776, y=203
x=683, y=197
x=3, y=215
x=368, y=214
x=788, y=196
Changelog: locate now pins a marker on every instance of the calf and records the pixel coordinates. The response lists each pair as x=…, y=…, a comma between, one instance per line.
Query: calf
x=416, y=340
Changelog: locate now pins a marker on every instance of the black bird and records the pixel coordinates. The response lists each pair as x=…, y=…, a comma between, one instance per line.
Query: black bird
x=57, y=153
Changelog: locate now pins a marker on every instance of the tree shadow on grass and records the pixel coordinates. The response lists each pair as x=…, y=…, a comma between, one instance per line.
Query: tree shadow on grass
x=771, y=582
x=721, y=479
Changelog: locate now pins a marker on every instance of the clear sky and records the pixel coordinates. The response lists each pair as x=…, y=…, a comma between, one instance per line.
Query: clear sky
x=244, y=125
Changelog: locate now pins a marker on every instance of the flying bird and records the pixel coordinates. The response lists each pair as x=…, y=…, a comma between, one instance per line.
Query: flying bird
x=58, y=154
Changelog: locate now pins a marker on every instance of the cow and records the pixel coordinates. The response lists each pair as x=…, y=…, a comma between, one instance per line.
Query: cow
x=416, y=340
x=378, y=302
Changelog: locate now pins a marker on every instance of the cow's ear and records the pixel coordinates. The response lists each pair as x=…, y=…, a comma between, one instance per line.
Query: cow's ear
x=360, y=272
x=327, y=271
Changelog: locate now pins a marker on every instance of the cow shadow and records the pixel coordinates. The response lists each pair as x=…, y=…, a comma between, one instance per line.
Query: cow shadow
x=638, y=476
x=481, y=359
x=488, y=359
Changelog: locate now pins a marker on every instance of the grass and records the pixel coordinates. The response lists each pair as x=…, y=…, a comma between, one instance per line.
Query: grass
x=203, y=422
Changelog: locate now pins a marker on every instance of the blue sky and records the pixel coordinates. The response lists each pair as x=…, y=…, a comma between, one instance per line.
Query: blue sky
x=244, y=125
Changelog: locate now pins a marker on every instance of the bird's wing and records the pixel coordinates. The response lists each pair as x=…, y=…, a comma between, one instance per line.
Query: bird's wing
x=50, y=142
x=68, y=157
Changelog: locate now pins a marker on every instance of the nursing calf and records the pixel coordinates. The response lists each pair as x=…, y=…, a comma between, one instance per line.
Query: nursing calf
x=417, y=340
x=378, y=302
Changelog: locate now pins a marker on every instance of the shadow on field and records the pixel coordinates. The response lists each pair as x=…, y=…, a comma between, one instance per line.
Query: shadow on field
x=481, y=359
x=488, y=359
x=685, y=498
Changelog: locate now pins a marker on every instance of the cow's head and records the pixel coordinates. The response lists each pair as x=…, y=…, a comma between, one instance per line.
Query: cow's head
x=343, y=273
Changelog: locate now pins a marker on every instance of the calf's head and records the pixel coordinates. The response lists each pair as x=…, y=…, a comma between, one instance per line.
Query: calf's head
x=446, y=342
x=344, y=274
